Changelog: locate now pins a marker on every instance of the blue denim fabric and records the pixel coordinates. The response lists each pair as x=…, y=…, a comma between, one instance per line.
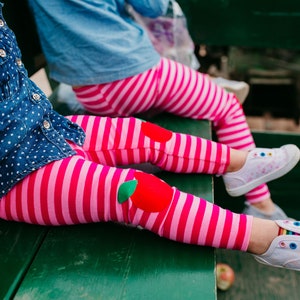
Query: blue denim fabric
x=31, y=133
x=91, y=42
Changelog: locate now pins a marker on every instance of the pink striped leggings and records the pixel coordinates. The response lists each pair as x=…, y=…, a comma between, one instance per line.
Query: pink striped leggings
x=177, y=89
x=89, y=187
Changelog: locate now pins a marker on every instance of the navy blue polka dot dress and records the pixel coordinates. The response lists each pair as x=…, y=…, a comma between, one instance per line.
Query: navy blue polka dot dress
x=31, y=133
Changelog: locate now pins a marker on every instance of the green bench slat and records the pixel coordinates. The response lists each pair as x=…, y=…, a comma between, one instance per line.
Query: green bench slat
x=256, y=23
x=18, y=246
x=109, y=261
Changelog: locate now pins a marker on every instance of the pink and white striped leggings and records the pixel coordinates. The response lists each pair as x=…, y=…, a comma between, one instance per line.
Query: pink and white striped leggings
x=89, y=187
x=177, y=89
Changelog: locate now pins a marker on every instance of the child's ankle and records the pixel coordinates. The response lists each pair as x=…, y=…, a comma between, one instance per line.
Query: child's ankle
x=266, y=205
x=262, y=235
x=237, y=160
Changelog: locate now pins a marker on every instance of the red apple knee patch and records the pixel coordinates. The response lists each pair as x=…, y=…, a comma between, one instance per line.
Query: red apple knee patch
x=155, y=132
x=147, y=192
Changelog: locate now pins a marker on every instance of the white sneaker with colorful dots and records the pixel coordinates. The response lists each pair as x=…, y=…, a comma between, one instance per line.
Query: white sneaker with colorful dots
x=262, y=165
x=284, y=251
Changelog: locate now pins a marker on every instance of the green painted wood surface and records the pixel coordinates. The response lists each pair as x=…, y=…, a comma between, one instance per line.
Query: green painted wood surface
x=18, y=245
x=111, y=261
x=256, y=23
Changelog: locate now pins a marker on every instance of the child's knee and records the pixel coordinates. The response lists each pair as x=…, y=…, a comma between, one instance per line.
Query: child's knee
x=147, y=192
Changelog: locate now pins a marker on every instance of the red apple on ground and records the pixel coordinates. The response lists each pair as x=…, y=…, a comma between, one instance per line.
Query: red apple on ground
x=225, y=276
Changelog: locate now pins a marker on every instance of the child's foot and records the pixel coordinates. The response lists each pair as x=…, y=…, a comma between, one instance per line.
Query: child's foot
x=262, y=165
x=277, y=214
x=284, y=251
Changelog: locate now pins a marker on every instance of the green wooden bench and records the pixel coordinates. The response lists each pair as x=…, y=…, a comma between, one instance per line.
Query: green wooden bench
x=256, y=23
x=104, y=260
x=110, y=261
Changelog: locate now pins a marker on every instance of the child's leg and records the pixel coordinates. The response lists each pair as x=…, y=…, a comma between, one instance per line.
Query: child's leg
x=125, y=141
x=81, y=191
x=177, y=89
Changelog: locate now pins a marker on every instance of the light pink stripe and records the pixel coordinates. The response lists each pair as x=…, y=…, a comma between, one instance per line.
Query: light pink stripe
x=151, y=220
x=80, y=192
x=189, y=98
x=119, y=90
x=204, y=228
x=25, y=203
x=191, y=220
x=213, y=158
x=66, y=186
x=180, y=152
x=94, y=196
x=176, y=216
x=119, y=210
x=234, y=231
x=165, y=79
x=107, y=187
x=13, y=206
x=94, y=135
x=137, y=216
x=219, y=228
x=247, y=233
x=36, y=197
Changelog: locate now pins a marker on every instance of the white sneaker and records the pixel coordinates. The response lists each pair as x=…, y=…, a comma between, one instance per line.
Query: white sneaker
x=262, y=165
x=284, y=251
x=239, y=88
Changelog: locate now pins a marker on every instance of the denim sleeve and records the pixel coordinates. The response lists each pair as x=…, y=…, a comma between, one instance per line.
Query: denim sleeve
x=150, y=8
x=12, y=132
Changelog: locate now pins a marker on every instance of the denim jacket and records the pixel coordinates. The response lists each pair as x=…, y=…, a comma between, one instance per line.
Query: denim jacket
x=31, y=133
x=92, y=42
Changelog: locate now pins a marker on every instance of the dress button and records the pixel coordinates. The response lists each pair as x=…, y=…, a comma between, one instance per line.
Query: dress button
x=2, y=53
x=36, y=96
x=46, y=124
x=1, y=23
x=19, y=62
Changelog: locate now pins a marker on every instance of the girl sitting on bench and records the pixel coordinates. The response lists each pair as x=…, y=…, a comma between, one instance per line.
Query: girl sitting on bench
x=62, y=171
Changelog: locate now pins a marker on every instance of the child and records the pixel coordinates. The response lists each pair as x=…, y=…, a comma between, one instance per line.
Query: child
x=57, y=171
x=97, y=48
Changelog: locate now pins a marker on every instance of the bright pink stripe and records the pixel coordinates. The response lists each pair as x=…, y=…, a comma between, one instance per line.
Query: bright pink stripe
x=58, y=191
x=212, y=226
x=88, y=193
x=198, y=221
x=129, y=138
x=101, y=194
x=167, y=228
x=73, y=184
x=168, y=85
x=184, y=215
x=31, y=197
x=187, y=154
x=220, y=227
x=239, y=242
x=18, y=195
x=8, y=206
x=226, y=230
x=44, y=195
x=118, y=130
x=207, y=157
x=182, y=97
x=158, y=225
x=171, y=163
x=115, y=183
x=95, y=133
x=176, y=217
